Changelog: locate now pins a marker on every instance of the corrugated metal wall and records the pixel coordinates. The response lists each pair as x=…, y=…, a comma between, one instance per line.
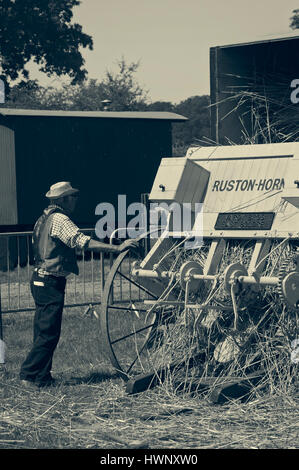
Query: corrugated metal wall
x=8, y=196
x=102, y=157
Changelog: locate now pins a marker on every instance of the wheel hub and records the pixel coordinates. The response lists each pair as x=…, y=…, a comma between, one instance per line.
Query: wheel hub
x=187, y=271
x=290, y=289
x=231, y=275
x=288, y=285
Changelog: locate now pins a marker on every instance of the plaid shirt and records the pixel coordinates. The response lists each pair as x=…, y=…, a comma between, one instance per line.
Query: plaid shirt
x=67, y=232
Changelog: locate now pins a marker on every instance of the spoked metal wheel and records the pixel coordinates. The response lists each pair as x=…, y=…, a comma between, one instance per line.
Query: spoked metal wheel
x=128, y=323
x=143, y=321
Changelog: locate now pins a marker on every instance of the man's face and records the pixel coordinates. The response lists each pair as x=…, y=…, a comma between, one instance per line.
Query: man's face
x=71, y=202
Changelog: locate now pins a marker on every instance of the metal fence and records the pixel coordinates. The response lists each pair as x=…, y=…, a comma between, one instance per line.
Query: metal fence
x=16, y=266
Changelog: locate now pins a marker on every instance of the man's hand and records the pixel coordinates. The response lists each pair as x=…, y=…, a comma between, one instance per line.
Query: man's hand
x=128, y=245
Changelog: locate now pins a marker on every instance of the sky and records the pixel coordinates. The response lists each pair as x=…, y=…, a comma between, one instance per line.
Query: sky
x=171, y=38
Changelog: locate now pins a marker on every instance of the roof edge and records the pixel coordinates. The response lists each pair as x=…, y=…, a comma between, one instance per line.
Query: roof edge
x=151, y=115
x=252, y=43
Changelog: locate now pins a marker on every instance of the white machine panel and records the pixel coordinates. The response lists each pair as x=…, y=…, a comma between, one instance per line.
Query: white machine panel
x=180, y=180
x=247, y=190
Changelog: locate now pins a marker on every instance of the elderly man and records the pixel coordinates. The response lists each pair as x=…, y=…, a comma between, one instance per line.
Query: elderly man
x=55, y=239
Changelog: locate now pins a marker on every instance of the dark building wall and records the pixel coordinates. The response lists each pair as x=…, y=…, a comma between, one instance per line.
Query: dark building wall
x=269, y=64
x=101, y=157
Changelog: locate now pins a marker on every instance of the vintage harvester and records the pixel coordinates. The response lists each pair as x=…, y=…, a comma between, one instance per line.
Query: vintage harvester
x=228, y=302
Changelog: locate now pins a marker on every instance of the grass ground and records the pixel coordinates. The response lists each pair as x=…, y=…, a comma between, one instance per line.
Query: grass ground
x=93, y=411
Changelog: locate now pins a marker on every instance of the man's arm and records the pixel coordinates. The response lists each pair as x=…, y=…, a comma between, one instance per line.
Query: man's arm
x=68, y=232
x=94, y=245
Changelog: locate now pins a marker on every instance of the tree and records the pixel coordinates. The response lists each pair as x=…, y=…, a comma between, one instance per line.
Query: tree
x=295, y=20
x=41, y=30
x=28, y=94
x=166, y=106
x=120, y=88
x=87, y=97
x=196, y=131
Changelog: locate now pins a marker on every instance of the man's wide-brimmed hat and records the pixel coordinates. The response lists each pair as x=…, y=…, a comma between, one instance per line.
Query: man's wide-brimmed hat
x=61, y=189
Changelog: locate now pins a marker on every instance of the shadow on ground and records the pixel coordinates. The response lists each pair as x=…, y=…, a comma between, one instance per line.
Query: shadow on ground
x=92, y=378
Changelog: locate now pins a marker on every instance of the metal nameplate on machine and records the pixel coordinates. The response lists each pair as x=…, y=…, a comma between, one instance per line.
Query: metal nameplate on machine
x=244, y=221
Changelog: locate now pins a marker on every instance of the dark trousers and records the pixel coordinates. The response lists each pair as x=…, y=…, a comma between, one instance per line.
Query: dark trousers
x=48, y=293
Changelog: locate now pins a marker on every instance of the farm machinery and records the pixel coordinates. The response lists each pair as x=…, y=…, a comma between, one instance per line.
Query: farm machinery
x=220, y=300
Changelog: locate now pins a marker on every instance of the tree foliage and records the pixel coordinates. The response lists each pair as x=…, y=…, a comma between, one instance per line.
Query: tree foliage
x=120, y=88
x=41, y=30
x=196, y=130
x=295, y=19
x=28, y=94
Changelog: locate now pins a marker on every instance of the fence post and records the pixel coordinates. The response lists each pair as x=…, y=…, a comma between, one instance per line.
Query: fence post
x=146, y=240
x=2, y=344
x=102, y=268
